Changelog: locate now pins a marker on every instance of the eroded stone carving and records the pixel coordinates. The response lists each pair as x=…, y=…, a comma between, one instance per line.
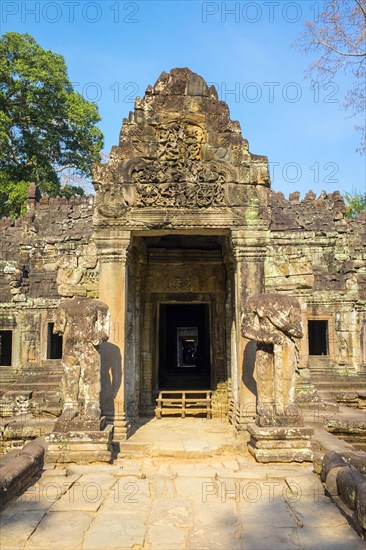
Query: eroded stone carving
x=84, y=324
x=178, y=183
x=177, y=141
x=273, y=321
x=177, y=149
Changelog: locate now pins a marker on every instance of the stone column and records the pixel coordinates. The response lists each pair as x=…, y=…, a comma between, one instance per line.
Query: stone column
x=249, y=249
x=113, y=287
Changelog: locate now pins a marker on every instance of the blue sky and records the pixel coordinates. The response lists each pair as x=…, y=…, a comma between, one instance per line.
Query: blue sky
x=114, y=49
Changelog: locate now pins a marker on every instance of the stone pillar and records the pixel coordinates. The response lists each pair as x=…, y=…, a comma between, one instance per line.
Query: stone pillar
x=113, y=288
x=249, y=250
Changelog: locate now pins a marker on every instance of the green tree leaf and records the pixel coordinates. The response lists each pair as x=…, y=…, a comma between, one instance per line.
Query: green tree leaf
x=356, y=203
x=45, y=126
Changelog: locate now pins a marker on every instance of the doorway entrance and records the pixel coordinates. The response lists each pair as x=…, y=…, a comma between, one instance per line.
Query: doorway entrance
x=184, y=347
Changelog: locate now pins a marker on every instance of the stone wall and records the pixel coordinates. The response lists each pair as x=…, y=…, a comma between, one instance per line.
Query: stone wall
x=319, y=256
x=47, y=254
x=314, y=254
x=44, y=256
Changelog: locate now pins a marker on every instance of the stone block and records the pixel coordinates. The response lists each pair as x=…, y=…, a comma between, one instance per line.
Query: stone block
x=356, y=459
x=280, y=432
x=331, y=479
x=281, y=455
x=348, y=480
x=280, y=444
x=331, y=460
x=19, y=469
x=81, y=447
x=360, y=502
x=78, y=424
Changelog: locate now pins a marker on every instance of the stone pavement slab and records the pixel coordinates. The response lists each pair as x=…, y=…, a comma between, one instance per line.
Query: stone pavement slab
x=318, y=514
x=274, y=538
x=15, y=529
x=127, y=494
x=172, y=512
x=265, y=515
x=227, y=502
x=166, y=537
x=329, y=538
x=114, y=531
x=218, y=537
x=86, y=497
x=60, y=531
x=42, y=495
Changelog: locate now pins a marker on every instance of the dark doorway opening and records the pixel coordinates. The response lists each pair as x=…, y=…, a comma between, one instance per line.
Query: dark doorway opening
x=54, y=343
x=318, y=337
x=6, y=344
x=184, y=347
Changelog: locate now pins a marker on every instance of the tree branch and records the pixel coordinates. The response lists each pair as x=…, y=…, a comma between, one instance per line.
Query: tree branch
x=62, y=168
x=362, y=7
x=329, y=47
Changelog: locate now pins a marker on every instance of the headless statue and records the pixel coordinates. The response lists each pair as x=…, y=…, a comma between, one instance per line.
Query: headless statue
x=273, y=321
x=84, y=324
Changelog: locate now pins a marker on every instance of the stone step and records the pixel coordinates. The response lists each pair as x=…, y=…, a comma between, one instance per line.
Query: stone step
x=328, y=378
x=334, y=389
x=28, y=375
x=139, y=450
x=42, y=385
x=8, y=377
x=130, y=447
x=332, y=395
x=131, y=455
x=45, y=376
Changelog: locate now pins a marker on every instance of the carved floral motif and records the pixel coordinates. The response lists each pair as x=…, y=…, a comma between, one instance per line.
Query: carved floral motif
x=180, y=195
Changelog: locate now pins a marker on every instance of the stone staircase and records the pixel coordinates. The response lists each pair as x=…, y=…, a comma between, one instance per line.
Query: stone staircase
x=328, y=388
x=8, y=376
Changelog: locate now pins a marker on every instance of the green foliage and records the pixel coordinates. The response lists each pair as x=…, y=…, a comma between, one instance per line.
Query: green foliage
x=45, y=126
x=12, y=197
x=71, y=190
x=356, y=203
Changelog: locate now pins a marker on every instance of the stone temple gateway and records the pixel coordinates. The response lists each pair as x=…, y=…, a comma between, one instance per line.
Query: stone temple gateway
x=182, y=229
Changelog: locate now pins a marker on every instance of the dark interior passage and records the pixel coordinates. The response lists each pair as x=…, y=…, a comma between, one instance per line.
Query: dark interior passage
x=6, y=344
x=318, y=337
x=184, y=346
x=54, y=343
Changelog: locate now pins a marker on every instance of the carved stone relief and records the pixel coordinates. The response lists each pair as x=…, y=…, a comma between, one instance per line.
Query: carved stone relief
x=193, y=278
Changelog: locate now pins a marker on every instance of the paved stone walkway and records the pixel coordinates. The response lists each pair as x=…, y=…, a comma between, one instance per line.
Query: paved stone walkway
x=185, y=437
x=226, y=502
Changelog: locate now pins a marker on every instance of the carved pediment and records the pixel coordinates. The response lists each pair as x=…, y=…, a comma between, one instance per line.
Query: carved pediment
x=179, y=148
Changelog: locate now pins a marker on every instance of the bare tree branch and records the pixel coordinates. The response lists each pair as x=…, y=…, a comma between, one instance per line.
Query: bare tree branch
x=339, y=37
